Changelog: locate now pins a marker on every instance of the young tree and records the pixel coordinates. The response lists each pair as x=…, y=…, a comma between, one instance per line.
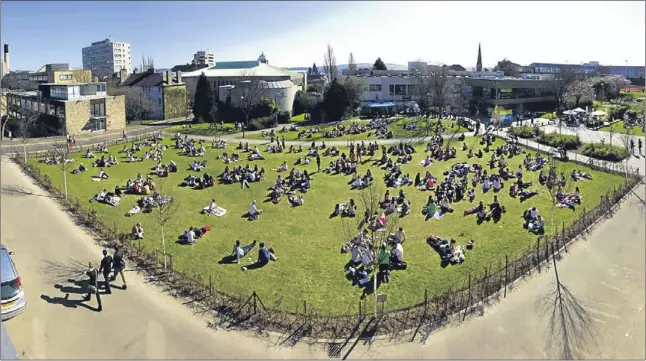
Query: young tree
x=329, y=60
x=379, y=65
x=165, y=211
x=335, y=102
x=138, y=105
x=62, y=150
x=441, y=86
x=352, y=64
x=559, y=86
x=27, y=126
x=250, y=90
x=204, y=100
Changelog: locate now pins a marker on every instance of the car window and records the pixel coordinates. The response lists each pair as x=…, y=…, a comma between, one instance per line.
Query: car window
x=7, y=270
x=9, y=289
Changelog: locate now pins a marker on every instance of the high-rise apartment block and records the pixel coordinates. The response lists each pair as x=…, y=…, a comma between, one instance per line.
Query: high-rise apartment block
x=204, y=57
x=107, y=57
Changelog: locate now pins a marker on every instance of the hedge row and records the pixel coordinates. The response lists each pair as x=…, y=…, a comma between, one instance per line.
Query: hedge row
x=570, y=142
x=607, y=152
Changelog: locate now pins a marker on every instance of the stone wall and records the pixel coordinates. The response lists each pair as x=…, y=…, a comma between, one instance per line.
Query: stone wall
x=77, y=117
x=174, y=99
x=115, y=109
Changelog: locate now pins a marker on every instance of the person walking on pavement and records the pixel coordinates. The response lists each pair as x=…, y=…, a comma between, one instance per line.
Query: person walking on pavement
x=105, y=268
x=632, y=146
x=118, y=265
x=124, y=137
x=93, y=287
x=283, y=141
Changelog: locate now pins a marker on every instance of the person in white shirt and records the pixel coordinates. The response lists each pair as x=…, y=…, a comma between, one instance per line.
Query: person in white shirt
x=102, y=174
x=241, y=251
x=398, y=253
x=537, y=225
x=210, y=209
x=189, y=236
x=254, y=212
x=533, y=213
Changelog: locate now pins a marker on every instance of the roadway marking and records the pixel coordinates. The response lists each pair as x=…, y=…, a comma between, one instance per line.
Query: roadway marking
x=612, y=287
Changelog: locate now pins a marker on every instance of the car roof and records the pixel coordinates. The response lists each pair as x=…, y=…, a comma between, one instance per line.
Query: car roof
x=7, y=270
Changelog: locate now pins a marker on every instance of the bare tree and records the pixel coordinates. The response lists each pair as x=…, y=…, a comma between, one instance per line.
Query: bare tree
x=138, y=105
x=166, y=209
x=441, y=86
x=329, y=62
x=62, y=152
x=559, y=86
x=352, y=64
x=250, y=91
x=4, y=115
x=26, y=127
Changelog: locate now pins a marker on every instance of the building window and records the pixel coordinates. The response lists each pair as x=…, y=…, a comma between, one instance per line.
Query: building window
x=97, y=108
x=159, y=101
x=375, y=87
x=400, y=89
x=98, y=124
x=65, y=77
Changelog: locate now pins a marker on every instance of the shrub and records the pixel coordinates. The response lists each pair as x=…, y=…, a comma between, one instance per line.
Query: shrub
x=524, y=131
x=618, y=112
x=548, y=116
x=283, y=117
x=260, y=123
x=554, y=140
x=603, y=151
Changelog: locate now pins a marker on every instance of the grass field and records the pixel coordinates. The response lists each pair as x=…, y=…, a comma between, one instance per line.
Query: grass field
x=203, y=129
x=619, y=128
x=307, y=242
x=397, y=128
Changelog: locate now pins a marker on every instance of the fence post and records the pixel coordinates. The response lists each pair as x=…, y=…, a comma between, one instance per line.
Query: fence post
x=172, y=262
x=538, y=256
x=506, y=275
x=515, y=268
x=425, y=299
x=210, y=285
x=466, y=308
x=360, y=314
x=255, y=303
x=564, y=239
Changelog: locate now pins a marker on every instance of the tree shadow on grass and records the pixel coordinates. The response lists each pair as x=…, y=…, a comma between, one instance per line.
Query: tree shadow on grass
x=570, y=327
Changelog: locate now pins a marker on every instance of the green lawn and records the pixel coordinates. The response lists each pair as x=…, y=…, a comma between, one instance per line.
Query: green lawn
x=397, y=128
x=619, y=128
x=308, y=242
x=298, y=118
x=203, y=129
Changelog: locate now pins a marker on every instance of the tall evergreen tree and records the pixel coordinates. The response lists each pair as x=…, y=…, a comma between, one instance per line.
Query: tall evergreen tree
x=335, y=102
x=379, y=65
x=204, y=100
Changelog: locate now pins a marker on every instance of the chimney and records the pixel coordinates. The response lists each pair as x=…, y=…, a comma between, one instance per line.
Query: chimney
x=6, y=58
x=169, y=77
x=179, y=77
x=165, y=78
x=123, y=74
x=151, y=70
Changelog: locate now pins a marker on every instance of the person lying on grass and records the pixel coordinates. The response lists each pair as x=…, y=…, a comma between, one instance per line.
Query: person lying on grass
x=477, y=209
x=240, y=251
x=264, y=256
x=137, y=231
x=345, y=210
x=191, y=235
x=577, y=175
x=80, y=169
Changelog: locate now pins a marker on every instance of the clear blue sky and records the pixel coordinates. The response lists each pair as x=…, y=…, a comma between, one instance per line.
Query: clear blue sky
x=296, y=33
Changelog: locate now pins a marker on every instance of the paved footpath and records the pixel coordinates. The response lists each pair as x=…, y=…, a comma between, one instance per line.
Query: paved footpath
x=605, y=273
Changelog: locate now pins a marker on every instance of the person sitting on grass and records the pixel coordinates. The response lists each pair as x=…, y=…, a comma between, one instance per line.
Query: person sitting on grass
x=474, y=210
x=138, y=231
x=472, y=195
x=241, y=251
x=136, y=209
x=296, y=201
x=536, y=226
x=444, y=206
x=254, y=212
x=497, y=184
x=495, y=209
x=530, y=215
x=283, y=167
x=102, y=175
x=81, y=168
x=210, y=209
x=264, y=256
x=397, y=256
x=384, y=263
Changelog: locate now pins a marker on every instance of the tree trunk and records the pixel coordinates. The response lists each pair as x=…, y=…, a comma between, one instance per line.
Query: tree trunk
x=24, y=149
x=163, y=245
x=65, y=177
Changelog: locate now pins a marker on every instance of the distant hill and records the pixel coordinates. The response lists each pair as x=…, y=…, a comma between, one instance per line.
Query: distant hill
x=359, y=66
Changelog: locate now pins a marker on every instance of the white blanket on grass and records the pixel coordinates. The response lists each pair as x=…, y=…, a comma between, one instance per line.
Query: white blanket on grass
x=217, y=211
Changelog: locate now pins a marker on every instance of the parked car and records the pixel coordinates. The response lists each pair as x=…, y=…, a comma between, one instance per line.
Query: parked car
x=13, y=296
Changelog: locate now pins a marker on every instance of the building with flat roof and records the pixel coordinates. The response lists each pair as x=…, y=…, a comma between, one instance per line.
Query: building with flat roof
x=60, y=74
x=107, y=57
x=72, y=108
x=591, y=68
x=166, y=92
x=204, y=57
x=283, y=83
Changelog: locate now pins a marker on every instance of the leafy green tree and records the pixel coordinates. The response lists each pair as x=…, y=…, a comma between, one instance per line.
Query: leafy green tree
x=379, y=65
x=204, y=100
x=335, y=102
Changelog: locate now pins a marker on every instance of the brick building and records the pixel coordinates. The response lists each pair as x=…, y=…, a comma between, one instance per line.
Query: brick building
x=73, y=108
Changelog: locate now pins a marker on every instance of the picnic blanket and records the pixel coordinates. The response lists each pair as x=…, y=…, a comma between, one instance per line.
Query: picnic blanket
x=433, y=213
x=217, y=211
x=423, y=163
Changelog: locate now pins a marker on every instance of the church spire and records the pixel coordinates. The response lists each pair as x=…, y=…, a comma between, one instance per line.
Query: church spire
x=479, y=63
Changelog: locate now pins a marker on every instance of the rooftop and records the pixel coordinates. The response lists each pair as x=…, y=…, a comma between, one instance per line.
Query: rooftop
x=252, y=68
